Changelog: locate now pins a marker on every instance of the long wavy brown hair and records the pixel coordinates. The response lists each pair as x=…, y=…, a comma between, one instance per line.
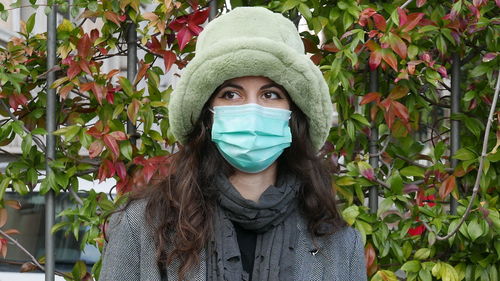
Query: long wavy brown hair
x=181, y=207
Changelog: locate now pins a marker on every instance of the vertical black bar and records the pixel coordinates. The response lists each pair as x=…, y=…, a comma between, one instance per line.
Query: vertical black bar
x=131, y=69
x=374, y=158
x=455, y=124
x=51, y=153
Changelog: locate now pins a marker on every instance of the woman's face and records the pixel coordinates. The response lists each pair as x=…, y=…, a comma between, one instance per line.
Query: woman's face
x=251, y=89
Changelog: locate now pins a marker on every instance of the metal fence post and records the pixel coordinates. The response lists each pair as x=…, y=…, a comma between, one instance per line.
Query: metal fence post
x=373, y=146
x=51, y=152
x=455, y=124
x=131, y=69
x=213, y=10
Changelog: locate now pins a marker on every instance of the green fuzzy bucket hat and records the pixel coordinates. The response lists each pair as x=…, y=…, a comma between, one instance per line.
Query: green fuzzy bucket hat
x=251, y=41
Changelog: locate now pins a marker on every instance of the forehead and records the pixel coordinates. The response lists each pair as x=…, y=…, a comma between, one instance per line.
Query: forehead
x=249, y=81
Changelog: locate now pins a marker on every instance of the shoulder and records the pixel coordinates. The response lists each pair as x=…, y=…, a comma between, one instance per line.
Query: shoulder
x=346, y=235
x=131, y=216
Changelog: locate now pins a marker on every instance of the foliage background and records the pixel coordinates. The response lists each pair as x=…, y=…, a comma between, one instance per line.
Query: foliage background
x=409, y=45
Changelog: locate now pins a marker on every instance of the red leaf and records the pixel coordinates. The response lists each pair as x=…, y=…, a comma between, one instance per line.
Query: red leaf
x=121, y=171
x=403, y=19
x=64, y=91
x=398, y=45
x=370, y=259
x=330, y=48
x=489, y=56
x=95, y=148
x=401, y=111
x=389, y=117
x=413, y=20
x=84, y=65
x=28, y=267
x=398, y=92
x=447, y=186
x=73, y=70
x=148, y=172
x=365, y=15
x=94, y=34
x=169, y=59
x=98, y=92
x=372, y=45
x=375, y=59
x=15, y=100
x=390, y=59
x=103, y=51
x=118, y=135
x=123, y=186
x=420, y=3
x=442, y=71
x=183, y=37
x=177, y=24
x=112, y=145
x=3, y=247
x=112, y=73
x=379, y=22
x=3, y=217
x=83, y=46
x=86, y=87
x=132, y=111
x=143, y=68
x=106, y=170
x=198, y=17
x=373, y=96
x=112, y=17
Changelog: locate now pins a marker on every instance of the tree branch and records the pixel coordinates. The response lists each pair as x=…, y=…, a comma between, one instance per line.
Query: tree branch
x=38, y=142
x=479, y=170
x=14, y=241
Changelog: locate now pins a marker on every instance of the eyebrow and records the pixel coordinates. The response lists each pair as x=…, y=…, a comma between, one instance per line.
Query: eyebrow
x=267, y=86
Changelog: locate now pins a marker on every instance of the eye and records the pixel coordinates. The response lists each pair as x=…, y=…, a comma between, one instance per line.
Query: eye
x=229, y=95
x=270, y=95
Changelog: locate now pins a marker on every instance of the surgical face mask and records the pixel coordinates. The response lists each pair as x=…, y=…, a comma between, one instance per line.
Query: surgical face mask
x=251, y=137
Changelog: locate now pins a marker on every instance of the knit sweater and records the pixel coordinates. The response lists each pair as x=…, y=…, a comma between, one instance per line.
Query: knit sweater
x=130, y=254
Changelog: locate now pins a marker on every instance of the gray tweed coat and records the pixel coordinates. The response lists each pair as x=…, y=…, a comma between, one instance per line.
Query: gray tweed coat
x=130, y=253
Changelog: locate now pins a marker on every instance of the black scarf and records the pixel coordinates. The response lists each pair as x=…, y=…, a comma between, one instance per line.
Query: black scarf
x=274, y=218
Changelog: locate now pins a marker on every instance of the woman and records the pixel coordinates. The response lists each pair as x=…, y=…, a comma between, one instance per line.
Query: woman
x=247, y=198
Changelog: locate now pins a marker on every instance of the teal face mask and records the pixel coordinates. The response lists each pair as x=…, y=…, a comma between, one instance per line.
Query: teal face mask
x=251, y=137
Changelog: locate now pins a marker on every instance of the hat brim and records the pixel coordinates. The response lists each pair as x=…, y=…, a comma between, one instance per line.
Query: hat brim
x=251, y=57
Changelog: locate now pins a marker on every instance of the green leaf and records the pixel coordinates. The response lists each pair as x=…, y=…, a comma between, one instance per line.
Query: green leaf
x=361, y=119
x=4, y=183
x=126, y=86
x=396, y=182
x=464, y=154
x=126, y=149
x=345, y=180
x=412, y=171
x=39, y=131
x=289, y=4
x=351, y=131
x=305, y=11
x=26, y=144
x=474, y=229
x=422, y=254
x=350, y=214
x=385, y=205
x=79, y=270
x=58, y=226
x=20, y=187
x=30, y=23
x=68, y=132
